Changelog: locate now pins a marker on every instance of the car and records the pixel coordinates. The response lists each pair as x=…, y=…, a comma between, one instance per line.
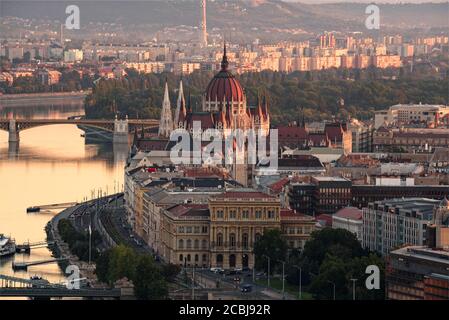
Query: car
x=217, y=270
x=231, y=273
x=237, y=279
x=246, y=288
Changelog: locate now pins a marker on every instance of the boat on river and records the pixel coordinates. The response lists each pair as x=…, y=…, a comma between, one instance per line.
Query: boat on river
x=7, y=246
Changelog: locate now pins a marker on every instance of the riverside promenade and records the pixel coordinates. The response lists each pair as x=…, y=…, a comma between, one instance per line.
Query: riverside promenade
x=86, y=270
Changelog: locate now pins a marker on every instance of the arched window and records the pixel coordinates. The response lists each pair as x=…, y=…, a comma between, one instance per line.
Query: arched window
x=196, y=244
x=181, y=244
x=181, y=258
x=197, y=258
x=219, y=239
x=188, y=258
x=204, y=244
x=245, y=241
x=232, y=239
x=189, y=244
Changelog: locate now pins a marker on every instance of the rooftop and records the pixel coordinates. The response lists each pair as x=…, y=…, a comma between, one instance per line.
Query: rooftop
x=330, y=179
x=424, y=253
x=351, y=213
x=244, y=194
x=189, y=210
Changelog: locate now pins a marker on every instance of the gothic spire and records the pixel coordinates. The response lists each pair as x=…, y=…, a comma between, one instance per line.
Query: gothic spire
x=180, y=103
x=166, y=122
x=224, y=61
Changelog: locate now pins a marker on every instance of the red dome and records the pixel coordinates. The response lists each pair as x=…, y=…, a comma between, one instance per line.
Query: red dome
x=224, y=86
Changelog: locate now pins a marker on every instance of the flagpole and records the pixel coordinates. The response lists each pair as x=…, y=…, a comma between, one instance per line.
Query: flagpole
x=90, y=243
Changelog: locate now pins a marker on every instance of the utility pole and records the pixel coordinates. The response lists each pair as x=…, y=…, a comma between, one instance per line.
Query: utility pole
x=90, y=244
x=333, y=284
x=300, y=281
x=268, y=274
x=283, y=280
x=353, y=288
x=193, y=283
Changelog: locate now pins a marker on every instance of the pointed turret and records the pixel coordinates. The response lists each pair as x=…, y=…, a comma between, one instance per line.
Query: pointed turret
x=182, y=114
x=265, y=107
x=224, y=61
x=179, y=102
x=166, y=122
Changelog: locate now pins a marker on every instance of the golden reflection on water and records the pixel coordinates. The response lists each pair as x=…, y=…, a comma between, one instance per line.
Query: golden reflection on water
x=53, y=165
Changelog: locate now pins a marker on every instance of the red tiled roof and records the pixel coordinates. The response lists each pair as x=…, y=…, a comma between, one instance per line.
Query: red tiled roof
x=327, y=218
x=292, y=133
x=318, y=139
x=289, y=213
x=334, y=132
x=349, y=213
x=278, y=185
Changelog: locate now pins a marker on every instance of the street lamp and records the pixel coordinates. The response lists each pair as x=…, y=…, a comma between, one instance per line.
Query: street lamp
x=268, y=274
x=333, y=283
x=283, y=279
x=353, y=288
x=300, y=281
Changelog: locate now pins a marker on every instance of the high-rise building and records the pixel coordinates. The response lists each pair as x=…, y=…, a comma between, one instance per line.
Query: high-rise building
x=203, y=29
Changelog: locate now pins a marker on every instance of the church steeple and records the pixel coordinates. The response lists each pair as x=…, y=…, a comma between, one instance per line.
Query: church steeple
x=180, y=102
x=166, y=122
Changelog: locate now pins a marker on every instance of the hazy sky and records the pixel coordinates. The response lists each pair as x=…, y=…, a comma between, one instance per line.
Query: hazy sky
x=366, y=1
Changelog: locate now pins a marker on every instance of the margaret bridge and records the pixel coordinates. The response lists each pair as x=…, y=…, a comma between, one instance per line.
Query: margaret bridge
x=120, y=128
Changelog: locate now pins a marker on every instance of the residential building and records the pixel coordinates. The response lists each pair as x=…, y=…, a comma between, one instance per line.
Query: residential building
x=422, y=273
x=350, y=219
x=362, y=195
x=390, y=224
x=331, y=194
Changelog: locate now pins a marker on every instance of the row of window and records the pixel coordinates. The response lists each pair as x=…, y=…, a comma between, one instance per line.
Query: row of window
x=188, y=258
x=258, y=214
x=232, y=239
x=187, y=244
x=194, y=229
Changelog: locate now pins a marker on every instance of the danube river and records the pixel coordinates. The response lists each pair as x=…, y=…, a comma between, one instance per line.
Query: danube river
x=52, y=164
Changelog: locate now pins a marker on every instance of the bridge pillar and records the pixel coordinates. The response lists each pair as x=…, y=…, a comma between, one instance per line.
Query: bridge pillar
x=121, y=130
x=13, y=131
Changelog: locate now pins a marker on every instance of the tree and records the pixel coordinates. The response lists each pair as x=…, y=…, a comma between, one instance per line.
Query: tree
x=170, y=271
x=149, y=284
x=122, y=263
x=102, y=266
x=338, y=241
x=271, y=245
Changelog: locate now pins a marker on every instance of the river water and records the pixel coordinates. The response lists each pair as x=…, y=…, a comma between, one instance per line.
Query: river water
x=51, y=164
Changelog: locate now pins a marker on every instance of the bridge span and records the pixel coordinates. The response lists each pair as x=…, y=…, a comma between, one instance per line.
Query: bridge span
x=25, y=265
x=120, y=128
x=41, y=288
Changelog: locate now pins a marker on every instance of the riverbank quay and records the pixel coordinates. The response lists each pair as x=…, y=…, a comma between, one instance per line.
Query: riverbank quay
x=11, y=99
x=81, y=216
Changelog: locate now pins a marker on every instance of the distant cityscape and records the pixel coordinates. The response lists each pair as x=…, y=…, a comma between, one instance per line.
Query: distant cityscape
x=360, y=188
